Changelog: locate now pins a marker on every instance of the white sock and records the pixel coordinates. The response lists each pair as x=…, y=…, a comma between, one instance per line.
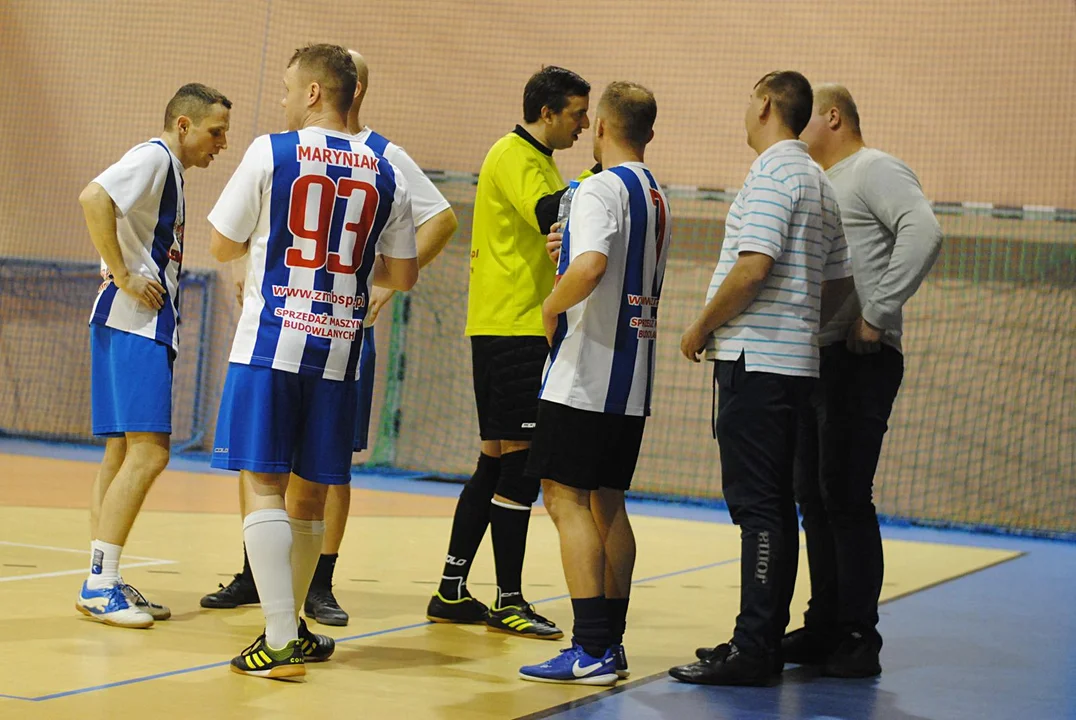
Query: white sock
x=104, y=565
x=267, y=535
x=306, y=536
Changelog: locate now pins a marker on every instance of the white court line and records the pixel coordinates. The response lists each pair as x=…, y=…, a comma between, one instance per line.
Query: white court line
x=70, y=550
x=80, y=571
x=145, y=562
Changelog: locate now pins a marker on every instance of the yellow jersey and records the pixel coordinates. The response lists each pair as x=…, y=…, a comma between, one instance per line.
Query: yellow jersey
x=511, y=275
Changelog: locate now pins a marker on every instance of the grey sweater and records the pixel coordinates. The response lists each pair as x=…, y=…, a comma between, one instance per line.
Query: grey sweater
x=893, y=236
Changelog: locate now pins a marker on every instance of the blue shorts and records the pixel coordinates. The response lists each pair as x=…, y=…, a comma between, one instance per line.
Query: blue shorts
x=367, y=358
x=273, y=421
x=130, y=383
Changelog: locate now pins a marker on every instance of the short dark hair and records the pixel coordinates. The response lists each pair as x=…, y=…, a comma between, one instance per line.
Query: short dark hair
x=551, y=87
x=791, y=96
x=194, y=101
x=333, y=69
x=632, y=109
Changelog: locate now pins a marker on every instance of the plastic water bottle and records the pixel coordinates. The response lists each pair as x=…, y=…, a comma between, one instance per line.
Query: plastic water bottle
x=566, y=204
x=562, y=217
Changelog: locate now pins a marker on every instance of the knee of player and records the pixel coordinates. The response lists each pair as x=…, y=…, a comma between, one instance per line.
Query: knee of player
x=514, y=484
x=147, y=459
x=608, y=506
x=115, y=452
x=552, y=503
x=306, y=500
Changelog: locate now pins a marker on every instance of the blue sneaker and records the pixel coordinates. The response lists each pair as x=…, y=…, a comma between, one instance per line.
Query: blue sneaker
x=112, y=606
x=620, y=660
x=573, y=666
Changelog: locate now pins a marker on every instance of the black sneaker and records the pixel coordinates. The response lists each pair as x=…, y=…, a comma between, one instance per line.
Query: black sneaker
x=260, y=660
x=315, y=647
x=808, y=647
x=621, y=659
x=240, y=591
x=523, y=621
x=855, y=657
x=466, y=610
x=321, y=605
x=727, y=665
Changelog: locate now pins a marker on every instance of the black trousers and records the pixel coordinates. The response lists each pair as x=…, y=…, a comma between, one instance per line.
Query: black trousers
x=757, y=413
x=840, y=441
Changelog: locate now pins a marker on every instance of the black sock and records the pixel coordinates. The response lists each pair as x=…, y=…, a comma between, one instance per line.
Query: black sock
x=618, y=619
x=591, y=629
x=508, y=528
x=323, y=574
x=469, y=526
x=247, y=574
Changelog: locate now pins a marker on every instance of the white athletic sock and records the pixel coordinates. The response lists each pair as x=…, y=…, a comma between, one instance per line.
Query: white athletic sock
x=104, y=565
x=306, y=536
x=267, y=534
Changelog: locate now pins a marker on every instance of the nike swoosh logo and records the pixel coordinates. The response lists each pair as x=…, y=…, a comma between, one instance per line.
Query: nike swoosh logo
x=581, y=671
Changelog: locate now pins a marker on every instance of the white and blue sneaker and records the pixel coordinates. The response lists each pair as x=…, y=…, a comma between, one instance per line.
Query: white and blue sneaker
x=111, y=606
x=620, y=661
x=573, y=666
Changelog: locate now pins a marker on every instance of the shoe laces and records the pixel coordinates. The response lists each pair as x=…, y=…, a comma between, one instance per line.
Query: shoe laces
x=236, y=580
x=723, y=652
x=133, y=595
x=324, y=594
x=529, y=609
x=250, y=648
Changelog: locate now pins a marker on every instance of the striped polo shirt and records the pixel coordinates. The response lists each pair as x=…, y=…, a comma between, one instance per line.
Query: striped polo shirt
x=786, y=209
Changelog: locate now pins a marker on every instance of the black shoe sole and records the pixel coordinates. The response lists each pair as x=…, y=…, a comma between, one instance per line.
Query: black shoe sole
x=224, y=604
x=728, y=682
x=531, y=636
x=336, y=621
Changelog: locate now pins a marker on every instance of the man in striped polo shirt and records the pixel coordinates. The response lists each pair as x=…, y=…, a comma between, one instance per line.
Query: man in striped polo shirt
x=894, y=240
x=783, y=260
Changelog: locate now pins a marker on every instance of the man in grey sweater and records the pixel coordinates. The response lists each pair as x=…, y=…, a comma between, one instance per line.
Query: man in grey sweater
x=894, y=240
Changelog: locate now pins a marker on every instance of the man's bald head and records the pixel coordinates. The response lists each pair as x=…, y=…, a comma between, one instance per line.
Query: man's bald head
x=363, y=71
x=832, y=95
x=630, y=110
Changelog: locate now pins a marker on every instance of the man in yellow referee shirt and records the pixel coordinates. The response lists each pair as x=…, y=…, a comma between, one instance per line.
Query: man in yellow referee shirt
x=519, y=192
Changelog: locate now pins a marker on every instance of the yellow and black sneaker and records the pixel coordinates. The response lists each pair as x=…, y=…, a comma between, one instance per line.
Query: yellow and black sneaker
x=467, y=610
x=316, y=648
x=261, y=660
x=522, y=620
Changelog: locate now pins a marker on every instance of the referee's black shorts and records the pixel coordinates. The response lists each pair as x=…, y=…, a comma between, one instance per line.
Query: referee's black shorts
x=507, y=378
x=584, y=449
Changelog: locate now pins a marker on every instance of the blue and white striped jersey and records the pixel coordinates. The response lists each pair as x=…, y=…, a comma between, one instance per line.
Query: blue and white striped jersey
x=787, y=209
x=318, y=206
x=602, y=357
x=146, y=186
x=426, y=199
